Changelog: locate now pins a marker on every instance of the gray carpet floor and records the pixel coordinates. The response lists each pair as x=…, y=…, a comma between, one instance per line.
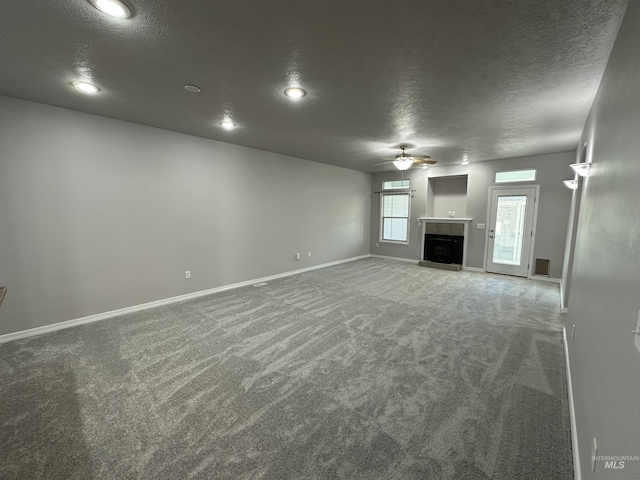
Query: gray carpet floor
x=372, y=369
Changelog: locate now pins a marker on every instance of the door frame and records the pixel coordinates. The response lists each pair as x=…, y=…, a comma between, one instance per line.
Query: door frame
x=534, y=223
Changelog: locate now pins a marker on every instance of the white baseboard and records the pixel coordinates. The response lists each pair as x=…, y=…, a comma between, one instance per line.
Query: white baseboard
x=563, y=303
x=543, y=278
x=572, y=412
x=399, y=259
x=473, y=269
x=158, y=303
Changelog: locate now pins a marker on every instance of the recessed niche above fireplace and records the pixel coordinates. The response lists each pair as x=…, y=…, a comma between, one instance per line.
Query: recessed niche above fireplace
x=447, y=196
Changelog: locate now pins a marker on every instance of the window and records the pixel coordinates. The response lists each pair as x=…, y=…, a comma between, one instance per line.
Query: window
x=395, y=217
x=395, y=184
x=516, y=176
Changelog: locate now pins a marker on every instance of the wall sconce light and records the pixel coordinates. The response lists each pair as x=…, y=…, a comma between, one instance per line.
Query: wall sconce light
x=581, y=168
x=572, y=184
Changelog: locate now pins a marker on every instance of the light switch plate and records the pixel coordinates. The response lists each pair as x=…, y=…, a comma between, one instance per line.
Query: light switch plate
x=481, y=226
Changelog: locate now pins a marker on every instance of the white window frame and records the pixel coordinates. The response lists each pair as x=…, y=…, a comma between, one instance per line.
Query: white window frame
x=535, y=175
x=404, y=187
x=382, y=217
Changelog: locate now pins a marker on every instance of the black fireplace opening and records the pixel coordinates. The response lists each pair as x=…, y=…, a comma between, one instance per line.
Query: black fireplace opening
x=443, y=248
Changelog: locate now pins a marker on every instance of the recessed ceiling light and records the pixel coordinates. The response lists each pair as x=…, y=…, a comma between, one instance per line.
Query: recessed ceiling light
x=192, y=88
x=86, y=87
x=227, y=124
x=114, y=8
x=295, y=92
x=464, y=162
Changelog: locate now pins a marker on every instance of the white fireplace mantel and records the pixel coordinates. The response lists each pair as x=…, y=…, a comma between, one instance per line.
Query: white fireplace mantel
x=445, y=219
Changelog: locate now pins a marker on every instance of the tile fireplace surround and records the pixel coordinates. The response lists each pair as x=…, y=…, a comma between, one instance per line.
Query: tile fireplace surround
x=445, y=226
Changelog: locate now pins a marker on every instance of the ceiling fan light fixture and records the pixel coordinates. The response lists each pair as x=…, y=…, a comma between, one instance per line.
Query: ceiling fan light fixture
x=113, y=8
x=403, y=162
x=295, y=92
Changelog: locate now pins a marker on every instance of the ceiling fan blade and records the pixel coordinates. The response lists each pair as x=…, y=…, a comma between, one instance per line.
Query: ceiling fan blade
x=383, y=163
x=425, y=161
x=415, y=157
x=421, y=159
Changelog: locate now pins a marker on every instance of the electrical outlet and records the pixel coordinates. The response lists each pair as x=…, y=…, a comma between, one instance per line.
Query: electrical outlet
x=377, y=245
x=187, y=274
x=594, y=454
x=309, y=254
x=297, y=256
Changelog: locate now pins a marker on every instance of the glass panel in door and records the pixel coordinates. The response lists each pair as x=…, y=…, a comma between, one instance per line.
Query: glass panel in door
x=509, y=229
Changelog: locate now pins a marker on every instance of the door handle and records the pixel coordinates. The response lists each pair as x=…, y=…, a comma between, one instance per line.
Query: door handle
x=491, y=236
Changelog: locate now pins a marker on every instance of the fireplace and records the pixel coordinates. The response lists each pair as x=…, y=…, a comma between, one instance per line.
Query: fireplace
x=443, y=248
x=444, y=242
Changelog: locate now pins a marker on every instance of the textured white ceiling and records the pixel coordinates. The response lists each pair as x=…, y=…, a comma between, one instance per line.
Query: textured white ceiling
x=483, y=79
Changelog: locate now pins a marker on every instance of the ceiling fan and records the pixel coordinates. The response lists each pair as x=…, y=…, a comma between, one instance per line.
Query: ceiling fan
x=403, y=160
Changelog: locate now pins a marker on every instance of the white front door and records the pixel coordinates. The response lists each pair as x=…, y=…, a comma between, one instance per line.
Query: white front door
x=510, y=233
